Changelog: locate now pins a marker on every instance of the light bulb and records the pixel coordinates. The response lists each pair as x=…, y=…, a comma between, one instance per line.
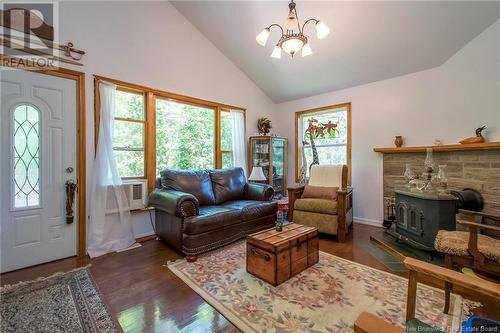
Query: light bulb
x=276, y=52
x=322, y=30
x=262, y=37
x=306, y=50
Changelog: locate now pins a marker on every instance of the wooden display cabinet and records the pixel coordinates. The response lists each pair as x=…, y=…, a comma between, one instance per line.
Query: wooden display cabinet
x=270, y=153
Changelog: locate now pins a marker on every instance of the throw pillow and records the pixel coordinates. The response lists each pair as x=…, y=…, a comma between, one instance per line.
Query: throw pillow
x=320, y=192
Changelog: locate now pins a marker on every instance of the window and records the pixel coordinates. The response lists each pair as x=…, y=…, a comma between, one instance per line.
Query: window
x=226, y=139
x=129, y=133
x=185, y=136
x=155, y=130
x=26, y=156
x=336, y=150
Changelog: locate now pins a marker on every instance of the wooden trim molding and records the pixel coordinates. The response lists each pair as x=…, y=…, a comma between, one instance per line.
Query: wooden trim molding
x=441, y=148
x=169, y=95
x=299, y=114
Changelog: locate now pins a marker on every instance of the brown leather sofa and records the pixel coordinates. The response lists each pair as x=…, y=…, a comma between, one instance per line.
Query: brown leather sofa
x=198, y=211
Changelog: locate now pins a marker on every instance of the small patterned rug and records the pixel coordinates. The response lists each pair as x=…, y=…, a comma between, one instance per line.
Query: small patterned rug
x=327, y=297
x=63, y=302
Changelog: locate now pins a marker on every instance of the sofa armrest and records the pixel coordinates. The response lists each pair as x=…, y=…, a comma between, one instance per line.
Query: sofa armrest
x=176, y=203
x=259, y=192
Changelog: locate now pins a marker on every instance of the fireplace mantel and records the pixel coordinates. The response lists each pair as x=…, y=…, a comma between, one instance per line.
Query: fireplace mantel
x=441, y=148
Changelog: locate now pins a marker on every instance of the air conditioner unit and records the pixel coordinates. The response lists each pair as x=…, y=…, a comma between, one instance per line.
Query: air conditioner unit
x=135, y=193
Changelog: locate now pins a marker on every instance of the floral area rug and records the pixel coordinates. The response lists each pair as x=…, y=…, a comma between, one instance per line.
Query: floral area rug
x=327, y=297
x=63, y=302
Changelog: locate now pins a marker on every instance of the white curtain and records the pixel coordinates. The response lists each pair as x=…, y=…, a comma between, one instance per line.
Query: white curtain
x=110, y=227
x=239, y=147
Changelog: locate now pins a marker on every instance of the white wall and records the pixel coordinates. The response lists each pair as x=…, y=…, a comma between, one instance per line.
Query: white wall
x=447, y=102
x=151, y=44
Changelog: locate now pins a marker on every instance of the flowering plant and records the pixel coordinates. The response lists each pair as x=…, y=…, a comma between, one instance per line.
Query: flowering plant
x=317, y=129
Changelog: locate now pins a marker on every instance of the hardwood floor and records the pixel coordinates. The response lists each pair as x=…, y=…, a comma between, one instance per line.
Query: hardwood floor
x=144, y=296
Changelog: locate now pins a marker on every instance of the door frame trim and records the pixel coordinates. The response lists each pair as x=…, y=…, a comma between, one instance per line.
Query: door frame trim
x=81, y=177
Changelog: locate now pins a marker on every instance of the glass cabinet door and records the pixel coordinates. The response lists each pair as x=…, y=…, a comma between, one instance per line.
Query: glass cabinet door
x=261, y=155
x=279, y=160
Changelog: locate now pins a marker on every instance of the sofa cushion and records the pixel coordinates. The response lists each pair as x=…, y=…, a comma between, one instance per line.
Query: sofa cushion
x=211, y=218
x=252, y=209
x=197, y=183
x=322, y=206
x=228, y=184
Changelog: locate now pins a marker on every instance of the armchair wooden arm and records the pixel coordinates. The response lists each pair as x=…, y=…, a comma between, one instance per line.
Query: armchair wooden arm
x=479, y=225
x=481, y=214
x=344, y=212
x=473, y=235
x=294, y=193
x=416, y=267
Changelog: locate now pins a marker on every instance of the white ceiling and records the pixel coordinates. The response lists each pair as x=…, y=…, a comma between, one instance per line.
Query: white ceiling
x=369, y=41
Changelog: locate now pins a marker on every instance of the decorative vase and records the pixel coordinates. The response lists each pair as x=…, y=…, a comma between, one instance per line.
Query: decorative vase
x=398, y=141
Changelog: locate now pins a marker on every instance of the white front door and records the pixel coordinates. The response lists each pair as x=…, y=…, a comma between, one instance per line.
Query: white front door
x=37, y=156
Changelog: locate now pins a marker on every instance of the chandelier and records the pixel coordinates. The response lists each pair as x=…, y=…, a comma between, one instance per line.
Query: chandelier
x=292, y=35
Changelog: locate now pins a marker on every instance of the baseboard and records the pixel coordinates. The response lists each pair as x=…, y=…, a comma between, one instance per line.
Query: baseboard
x=144, y=236
x=373, y=223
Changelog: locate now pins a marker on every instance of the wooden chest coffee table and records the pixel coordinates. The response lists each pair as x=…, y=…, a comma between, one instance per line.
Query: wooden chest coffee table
x=275, y=256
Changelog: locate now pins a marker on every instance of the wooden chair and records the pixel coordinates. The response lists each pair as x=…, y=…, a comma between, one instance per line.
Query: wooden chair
x=369, y=323
x=332, y=217
x=470, y=249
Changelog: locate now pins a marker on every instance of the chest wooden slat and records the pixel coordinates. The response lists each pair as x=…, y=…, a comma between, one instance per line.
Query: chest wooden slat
x=275, y=256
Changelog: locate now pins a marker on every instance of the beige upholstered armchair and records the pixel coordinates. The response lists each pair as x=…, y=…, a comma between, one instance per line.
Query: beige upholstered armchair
x=329, y=216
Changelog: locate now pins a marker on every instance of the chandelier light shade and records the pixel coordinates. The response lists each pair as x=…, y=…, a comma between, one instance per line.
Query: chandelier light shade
x=322, y=30
x=276, y=52
x=306, y=50
x=263, y=36
x=292, y=38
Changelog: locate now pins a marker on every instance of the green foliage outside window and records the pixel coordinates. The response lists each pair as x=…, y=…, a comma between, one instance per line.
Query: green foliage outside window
x=184, y=136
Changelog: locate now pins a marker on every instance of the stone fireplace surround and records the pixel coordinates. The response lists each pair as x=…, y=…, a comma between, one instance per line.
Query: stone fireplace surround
x=477, y=169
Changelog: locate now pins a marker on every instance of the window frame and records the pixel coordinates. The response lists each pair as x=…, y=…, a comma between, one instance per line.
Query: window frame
x=298, y=150
x=222, y=152
x=150, y=96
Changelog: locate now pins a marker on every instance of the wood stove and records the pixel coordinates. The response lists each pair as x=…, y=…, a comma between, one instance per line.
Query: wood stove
x=419, y=216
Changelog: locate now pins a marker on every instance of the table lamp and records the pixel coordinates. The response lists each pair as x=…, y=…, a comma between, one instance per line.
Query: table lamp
x=257, y=174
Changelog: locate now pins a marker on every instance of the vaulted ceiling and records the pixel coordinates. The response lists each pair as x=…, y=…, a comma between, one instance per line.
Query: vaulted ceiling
x=369, y=41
